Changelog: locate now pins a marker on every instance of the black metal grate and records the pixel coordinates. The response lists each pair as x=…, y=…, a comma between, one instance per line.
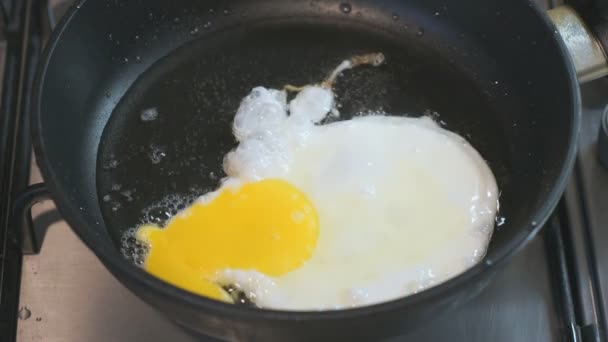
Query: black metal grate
x=21, y=33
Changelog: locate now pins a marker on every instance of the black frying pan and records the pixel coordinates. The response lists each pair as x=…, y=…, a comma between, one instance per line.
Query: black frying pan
x=495, y=71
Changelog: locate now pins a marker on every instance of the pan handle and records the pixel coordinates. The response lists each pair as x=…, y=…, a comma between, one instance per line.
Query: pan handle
x=28, y=237
x=587, y=50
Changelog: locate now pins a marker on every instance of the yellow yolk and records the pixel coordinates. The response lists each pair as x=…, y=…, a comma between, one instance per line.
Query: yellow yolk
x=268, y=226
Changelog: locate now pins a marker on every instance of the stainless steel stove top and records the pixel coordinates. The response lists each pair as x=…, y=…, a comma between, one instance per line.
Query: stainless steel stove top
x=68, y=296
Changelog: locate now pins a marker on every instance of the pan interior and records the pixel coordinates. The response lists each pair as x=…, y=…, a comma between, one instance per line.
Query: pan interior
x=196, y=90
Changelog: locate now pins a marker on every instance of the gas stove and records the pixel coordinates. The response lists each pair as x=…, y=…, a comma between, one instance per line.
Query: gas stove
x=555, y=289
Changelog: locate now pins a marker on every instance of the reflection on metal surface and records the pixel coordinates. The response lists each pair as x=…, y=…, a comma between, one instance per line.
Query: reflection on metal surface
x=586, y=52
x=56, y=9
x=603, y=138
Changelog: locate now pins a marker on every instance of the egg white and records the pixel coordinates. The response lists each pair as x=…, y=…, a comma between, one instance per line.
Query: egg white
x=403, y=204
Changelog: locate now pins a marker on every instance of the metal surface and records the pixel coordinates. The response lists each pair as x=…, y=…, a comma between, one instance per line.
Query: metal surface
x=586, y=52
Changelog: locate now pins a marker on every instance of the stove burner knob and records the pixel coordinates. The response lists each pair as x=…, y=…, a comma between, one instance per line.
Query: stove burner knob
x=603, y=139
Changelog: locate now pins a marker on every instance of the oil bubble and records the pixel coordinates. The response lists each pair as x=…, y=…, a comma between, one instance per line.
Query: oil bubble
x=133, y=249
x=346, y=8
x=149, y=114
x=500, y=220
x=24, y=313
x=110, y=164
x=127, y=195
x=157, y=153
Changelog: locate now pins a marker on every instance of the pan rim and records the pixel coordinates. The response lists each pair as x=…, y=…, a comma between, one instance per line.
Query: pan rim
x=125, y=271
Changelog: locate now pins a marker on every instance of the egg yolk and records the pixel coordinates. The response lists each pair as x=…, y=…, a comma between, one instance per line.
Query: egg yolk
x=268, y=226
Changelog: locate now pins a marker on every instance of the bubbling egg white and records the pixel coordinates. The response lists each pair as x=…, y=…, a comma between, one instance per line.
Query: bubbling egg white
x=403, y=204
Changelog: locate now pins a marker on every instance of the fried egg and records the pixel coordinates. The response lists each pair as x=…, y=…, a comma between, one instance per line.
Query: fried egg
x=319, y=217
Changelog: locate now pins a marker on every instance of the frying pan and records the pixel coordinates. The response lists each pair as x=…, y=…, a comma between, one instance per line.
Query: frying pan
x=496, y=72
